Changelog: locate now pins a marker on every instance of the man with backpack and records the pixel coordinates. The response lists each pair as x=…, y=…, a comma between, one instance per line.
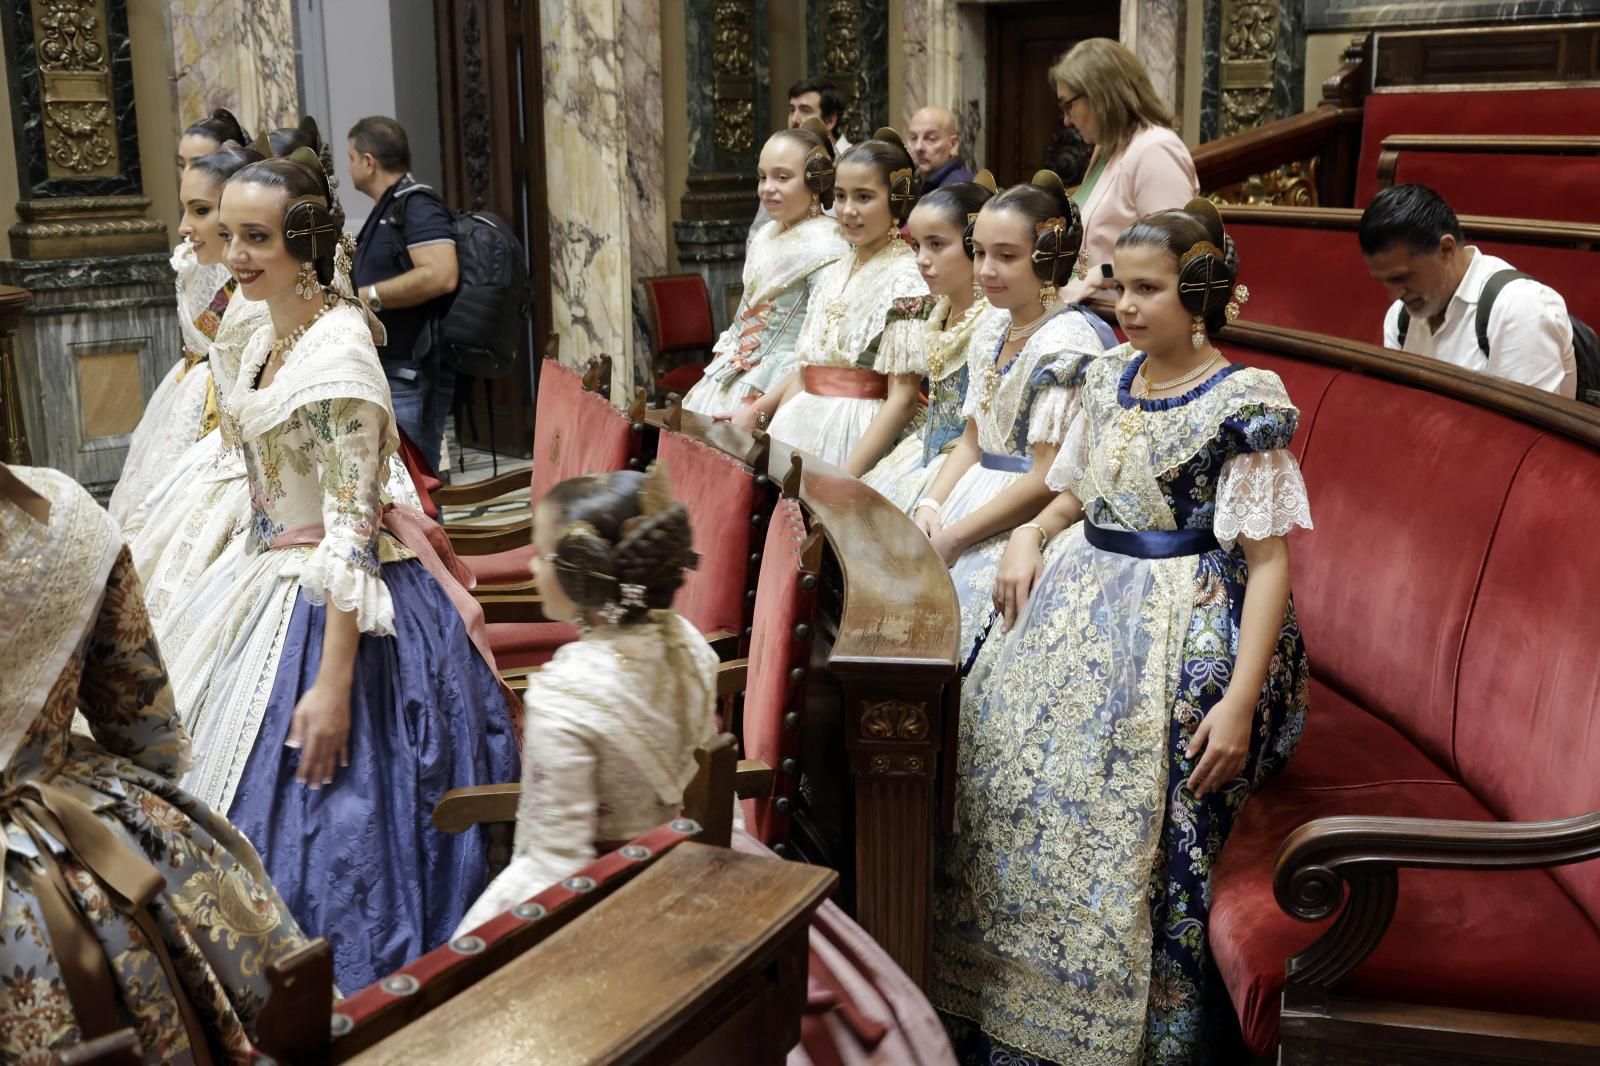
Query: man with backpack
x=407, y=270
x=1459, y=304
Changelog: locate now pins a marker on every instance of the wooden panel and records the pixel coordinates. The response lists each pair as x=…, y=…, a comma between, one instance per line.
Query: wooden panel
x=1487, y=57
x=704, y=937
x=1575, y=235
x=110, y=400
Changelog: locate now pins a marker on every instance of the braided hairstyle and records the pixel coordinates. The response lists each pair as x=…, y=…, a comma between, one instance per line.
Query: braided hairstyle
x=614, y=534
x=886, y=153
x=812, y=137
x=960, y=203
x=312, y=220
x=219, y=126
x=1056, y=222
x=1208, y=263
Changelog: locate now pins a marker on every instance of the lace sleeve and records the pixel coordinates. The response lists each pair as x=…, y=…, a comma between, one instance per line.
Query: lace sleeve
x=1072, y=460
x=903, y=344
x=1260, y=495
x=1051, y=414
x=124, y=694
x=343, y=570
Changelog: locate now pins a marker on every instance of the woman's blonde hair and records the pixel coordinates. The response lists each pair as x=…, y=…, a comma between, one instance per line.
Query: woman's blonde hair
x=1117, y=87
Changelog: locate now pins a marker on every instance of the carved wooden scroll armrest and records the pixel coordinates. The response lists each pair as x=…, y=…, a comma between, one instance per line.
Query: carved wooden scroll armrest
x=481, y=491
x=492, y=540
x=462, y=808
x=1356, y=861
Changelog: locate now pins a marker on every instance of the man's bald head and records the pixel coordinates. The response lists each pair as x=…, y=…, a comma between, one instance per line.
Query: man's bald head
x=932, y=139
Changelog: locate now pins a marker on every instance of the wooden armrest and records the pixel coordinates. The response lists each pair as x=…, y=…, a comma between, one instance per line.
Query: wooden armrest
x=731, y=677
x=482, y=491
x=462, y=808
x=752, y=779
x=511, y=607
x=493, y=539
x=724, y=643
x=121, y=1048
x=1325, y=862
x=508, y=588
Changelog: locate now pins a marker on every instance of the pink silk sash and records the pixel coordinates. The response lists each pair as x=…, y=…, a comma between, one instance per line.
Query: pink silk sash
x=428, y=541
x=844, y=381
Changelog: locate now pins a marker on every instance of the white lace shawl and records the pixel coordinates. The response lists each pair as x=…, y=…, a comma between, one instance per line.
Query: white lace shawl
x=1062, y=345
x=846, y=314
x=197, y=287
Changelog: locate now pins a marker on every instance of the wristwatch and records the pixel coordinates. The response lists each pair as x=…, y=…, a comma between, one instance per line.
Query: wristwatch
x=372, y=298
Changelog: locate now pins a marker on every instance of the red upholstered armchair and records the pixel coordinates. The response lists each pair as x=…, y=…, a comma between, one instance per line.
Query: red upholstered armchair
x=681, y=333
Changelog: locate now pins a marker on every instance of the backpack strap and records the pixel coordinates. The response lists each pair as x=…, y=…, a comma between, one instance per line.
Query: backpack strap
x=1403, y=323
x=1491, y=291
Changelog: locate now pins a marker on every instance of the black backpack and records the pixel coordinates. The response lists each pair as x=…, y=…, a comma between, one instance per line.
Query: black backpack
x=479, y=330
x=1585, y=345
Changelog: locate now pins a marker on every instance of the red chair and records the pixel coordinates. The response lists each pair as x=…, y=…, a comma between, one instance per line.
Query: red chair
x=780, y=652
x=680, y=324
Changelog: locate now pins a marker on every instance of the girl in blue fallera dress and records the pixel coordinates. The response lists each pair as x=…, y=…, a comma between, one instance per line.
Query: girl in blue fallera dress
x=1149, y=678
x=328, y=671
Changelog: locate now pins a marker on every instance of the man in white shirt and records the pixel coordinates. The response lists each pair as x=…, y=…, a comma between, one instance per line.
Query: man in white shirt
x=1413, y=245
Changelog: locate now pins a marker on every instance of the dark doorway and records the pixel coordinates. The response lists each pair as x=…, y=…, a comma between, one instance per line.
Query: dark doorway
x=491, y=103
x=1022, y=42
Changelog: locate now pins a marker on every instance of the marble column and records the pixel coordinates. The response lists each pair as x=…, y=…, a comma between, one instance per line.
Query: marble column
x=725, y=51
x=1255, y=58
x=237, y=54
x=1155, y=31
x=102, y=327
x=604, y=172
x=848, y=41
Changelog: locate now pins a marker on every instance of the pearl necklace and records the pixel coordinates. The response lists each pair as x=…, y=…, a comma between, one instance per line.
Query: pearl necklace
x=284, y=344
x=1143, y=386
x=1022, y=333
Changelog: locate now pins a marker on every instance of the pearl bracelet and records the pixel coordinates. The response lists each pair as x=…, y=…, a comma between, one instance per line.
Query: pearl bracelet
x=929, y=501
x=1044, y=534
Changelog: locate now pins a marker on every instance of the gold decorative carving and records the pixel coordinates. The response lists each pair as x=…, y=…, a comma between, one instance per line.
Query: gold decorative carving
x=733, y=110
x=894, y=720
x=75, y=80
x=1291, y=185
x=1248, y=63
x=85, y=225
x=841, y=59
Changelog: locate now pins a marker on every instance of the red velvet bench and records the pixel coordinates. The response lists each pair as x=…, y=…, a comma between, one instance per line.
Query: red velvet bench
x=1446, y=596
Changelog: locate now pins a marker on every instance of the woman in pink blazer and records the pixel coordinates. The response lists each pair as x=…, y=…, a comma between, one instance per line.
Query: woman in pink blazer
x=1139, y=165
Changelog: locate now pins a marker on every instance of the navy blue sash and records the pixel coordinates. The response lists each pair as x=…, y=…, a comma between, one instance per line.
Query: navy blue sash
x=1015, y=464
x=1150, y=543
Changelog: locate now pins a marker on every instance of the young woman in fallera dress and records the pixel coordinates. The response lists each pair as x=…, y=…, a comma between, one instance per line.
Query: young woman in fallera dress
x=1151, y=678
x=941, y=227
x=862, y=351
x=1022, y=385
x=794, y=179
x=330, y=675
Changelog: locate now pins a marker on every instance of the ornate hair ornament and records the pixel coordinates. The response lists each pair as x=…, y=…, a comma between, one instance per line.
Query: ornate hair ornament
x=902, y=188
x=985, y=179
x=1241, y=296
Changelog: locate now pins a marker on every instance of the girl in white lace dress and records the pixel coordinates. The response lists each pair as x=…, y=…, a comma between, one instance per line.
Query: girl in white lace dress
x=862, y=350
x=612, y=721
x=1153, y=678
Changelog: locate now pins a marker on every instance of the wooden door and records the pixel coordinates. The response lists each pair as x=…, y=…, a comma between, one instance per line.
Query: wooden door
x=1022, y=43
x=491, y=100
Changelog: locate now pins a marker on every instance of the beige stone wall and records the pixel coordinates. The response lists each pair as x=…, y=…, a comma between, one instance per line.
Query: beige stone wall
x=675, y=116
x=1324, y=52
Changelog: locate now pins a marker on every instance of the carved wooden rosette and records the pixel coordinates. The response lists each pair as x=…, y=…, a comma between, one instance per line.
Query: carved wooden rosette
x=894, y=749
x=72, y=107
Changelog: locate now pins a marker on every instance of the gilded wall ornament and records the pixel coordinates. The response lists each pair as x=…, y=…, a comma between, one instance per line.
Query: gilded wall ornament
x=75, y=73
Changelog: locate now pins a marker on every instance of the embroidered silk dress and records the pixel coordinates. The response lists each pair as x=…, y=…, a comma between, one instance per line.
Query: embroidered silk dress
x=906, y=473
x=184, y=406
x=187, y=966
x=611, y=726
x=756, y=351
x=1028, y=402
x=867, y=319
x=1071, y=903
x=358, y=861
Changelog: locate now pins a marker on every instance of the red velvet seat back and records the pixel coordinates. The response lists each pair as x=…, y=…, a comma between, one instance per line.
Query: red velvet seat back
x=1500, y=184
x=1406, y=488
x=575, y=431
x=777, y=649
x=1528, y=713
x=1312, y=279
x=1305, y=382
x=721, y=495
x=682, y=312
x=1569, y=271
x=1512, y=112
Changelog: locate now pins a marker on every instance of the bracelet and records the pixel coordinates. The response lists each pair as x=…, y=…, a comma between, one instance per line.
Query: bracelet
x=1044, y=534
x=762, y=418
x=929, y=501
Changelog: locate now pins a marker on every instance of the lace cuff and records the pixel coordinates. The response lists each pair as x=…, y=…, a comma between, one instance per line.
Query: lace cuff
x=1072, y=460
x=1051, y=414
x=1260, y=495
x=343, y=571
x=902, y=348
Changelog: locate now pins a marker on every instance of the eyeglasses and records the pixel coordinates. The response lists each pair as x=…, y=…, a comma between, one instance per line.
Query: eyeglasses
x=1067, y=105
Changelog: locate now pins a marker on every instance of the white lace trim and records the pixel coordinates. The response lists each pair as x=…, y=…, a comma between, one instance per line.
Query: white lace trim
x=845, y=313
x=328, y=576
x=1260, y=495
x=903, y=348
x=1051, y=415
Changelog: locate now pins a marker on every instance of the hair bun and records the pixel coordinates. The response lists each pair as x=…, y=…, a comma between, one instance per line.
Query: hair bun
x=653, y=554
x=888, y=133
x=1057, y=240
x=985, y=179
x=1049, y=181
x=820, y=128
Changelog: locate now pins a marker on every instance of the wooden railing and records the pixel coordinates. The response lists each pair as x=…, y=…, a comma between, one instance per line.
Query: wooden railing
x=885, y=737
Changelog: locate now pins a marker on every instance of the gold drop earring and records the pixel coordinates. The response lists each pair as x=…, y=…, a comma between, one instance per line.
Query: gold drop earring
x=1047, y=295
x=1197, y=336
x=816, y=207
x=305, y=283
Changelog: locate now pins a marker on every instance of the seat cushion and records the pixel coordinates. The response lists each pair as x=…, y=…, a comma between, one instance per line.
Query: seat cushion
x=1497, y=940
x=1344, y=746
x=527, y=643
x=514, y=567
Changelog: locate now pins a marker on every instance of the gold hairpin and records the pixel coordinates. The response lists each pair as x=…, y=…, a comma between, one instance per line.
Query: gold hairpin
x=1195, y=252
